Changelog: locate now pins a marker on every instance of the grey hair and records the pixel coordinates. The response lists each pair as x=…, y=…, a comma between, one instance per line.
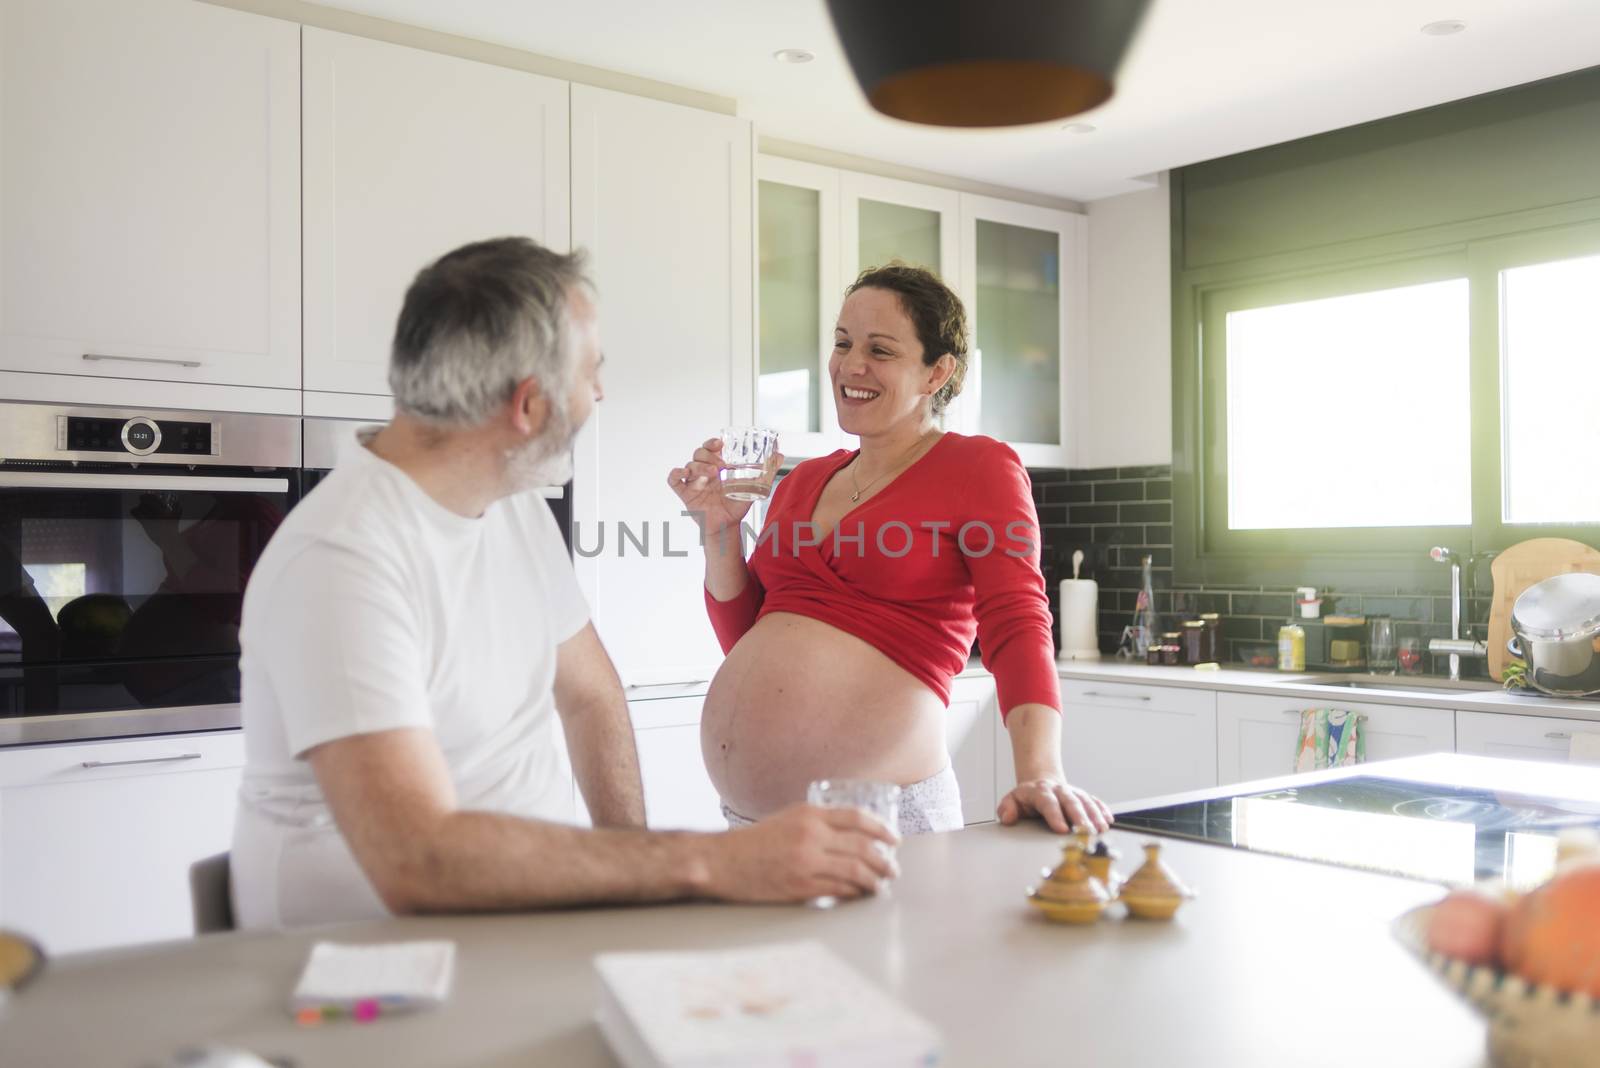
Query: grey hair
x=480, y=320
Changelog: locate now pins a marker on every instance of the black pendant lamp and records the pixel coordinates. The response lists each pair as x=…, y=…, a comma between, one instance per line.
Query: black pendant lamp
x=985, y=62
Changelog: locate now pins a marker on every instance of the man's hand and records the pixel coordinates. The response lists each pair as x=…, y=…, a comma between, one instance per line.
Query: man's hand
x=801, y=853
x=1062, y=807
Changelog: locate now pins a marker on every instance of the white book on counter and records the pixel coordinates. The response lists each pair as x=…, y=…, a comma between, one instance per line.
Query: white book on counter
x=774, y=1005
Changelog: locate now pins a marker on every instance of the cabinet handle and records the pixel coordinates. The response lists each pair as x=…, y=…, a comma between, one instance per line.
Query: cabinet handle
x=1118, y=696
x=90, y=480
x=657, y=685
x=142, y=760
x=141, y=359
x=1558, y=736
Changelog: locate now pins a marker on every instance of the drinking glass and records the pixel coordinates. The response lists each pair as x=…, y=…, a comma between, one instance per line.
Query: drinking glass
x=745, y=452
x=880, y=800
x=1381, y=658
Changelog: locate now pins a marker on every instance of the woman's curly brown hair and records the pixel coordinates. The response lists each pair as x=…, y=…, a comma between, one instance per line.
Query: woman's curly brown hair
x=935, y=312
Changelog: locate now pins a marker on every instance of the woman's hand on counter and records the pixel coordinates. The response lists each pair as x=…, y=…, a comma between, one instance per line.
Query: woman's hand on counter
x=1061, y=805
x=1042, y=789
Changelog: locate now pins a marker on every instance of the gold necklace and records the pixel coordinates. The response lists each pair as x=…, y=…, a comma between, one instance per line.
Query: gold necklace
x=860, y=489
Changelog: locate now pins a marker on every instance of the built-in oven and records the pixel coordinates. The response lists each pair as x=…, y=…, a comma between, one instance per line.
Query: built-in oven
x=126, y=540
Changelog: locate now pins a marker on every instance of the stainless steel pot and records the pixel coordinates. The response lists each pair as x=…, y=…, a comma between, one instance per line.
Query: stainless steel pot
x=1557, y=628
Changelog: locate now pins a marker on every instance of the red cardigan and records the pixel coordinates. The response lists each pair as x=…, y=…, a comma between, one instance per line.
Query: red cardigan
x=948, y=550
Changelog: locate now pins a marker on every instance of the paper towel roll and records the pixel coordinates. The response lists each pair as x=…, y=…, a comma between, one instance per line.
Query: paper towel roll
x=1079, y=619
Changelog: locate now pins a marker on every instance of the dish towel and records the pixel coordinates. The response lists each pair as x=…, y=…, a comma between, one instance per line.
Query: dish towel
x=1330, y=738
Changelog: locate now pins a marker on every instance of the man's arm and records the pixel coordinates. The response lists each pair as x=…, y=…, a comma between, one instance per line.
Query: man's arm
x=393, y=800
x=594, y=715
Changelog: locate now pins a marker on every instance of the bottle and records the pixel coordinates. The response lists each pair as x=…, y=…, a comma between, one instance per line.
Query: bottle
x=1291, y=647
x=1146, y=625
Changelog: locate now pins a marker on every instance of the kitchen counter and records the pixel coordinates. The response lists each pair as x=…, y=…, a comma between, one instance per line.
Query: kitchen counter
x=1276, y=962
x=1413, y=691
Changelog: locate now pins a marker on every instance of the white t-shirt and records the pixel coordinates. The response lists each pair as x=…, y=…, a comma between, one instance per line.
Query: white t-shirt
x=375, y=608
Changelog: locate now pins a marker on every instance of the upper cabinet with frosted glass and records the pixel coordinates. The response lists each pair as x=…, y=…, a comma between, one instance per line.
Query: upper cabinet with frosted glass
x=883, y=219
x=1022, y=279
x=1017, y=268
x=798, y=283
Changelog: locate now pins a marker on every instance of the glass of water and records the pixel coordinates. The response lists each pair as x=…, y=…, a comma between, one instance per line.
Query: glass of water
x=880, y=800
x=745, y=452
x=1381, y=651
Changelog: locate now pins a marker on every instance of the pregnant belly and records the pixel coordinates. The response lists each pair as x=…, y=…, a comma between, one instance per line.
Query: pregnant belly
x=799, y=700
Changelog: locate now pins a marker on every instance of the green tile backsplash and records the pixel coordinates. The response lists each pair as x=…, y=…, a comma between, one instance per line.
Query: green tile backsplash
x=1118, y=515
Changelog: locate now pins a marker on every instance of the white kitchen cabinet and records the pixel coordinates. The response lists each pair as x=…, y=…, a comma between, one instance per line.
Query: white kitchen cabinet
x=1257, y=733
x=884, y=219
x=678, y=794
x=799, y=288
x=661, y=201
x=1022, y=279
x=1021, y=272
x=1516, y=737
x=970, y=734
x=1124, y=742
x=96, y=838
x=409, y=154
x=150, y=191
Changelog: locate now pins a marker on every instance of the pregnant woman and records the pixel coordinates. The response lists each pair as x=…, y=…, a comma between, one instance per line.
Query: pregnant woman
x=858, y=603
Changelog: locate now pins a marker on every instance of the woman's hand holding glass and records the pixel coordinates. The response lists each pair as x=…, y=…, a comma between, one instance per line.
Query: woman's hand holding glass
x=698, y=485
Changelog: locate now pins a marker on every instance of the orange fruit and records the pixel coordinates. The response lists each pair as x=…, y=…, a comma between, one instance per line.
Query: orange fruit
x=1552, y=936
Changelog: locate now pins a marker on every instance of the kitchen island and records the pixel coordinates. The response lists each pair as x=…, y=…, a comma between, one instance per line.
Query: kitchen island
x=1277, y=962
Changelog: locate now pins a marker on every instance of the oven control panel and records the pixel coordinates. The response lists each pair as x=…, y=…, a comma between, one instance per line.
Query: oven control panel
x=139, y=436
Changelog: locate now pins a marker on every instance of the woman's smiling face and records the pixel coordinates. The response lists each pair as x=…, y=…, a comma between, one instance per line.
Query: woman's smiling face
x=877, y=368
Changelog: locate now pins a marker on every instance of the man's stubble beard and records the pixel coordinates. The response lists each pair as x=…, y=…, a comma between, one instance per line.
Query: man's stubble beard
x=547, y=459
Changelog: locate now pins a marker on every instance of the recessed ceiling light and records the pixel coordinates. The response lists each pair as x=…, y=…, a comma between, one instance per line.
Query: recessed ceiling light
x=1080, y=127
x=793, y=55
x=1444, y=27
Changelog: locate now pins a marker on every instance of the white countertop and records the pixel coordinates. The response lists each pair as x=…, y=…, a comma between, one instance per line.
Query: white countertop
x=1277, y=962
x=1416, y=691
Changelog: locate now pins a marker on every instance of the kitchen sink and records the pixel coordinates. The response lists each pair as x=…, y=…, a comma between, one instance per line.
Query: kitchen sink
x=1402, y=682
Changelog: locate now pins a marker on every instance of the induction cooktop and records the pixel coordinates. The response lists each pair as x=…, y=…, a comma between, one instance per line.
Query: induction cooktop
x=1419, y=830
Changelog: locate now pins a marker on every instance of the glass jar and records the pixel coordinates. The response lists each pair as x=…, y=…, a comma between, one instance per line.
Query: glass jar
x=1194, y=642
x=1213, y=623
x=1171, y=648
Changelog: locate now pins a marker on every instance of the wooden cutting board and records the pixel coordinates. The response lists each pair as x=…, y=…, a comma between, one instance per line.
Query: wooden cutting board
x=1519, y=567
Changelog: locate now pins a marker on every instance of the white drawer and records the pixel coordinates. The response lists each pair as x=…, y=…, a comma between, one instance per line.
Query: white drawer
x=40, y=765
x=666, y=712
x=1124, y=695
x=1124, y=742
x=1516, y=737
x=1256, y=733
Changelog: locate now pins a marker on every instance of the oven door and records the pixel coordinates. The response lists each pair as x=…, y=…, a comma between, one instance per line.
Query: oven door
x=121, y=589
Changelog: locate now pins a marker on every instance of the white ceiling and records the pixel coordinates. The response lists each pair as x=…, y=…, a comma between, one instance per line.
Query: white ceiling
x=1205, y=78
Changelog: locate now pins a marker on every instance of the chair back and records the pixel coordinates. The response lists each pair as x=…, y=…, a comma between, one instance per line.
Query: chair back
x=210, y=890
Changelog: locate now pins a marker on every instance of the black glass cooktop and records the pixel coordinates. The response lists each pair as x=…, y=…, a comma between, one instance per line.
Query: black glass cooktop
x=1416, y=829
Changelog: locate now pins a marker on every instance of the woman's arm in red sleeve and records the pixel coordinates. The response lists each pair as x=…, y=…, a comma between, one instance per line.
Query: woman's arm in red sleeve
x=1012, y=610
x=730, y=619
x=732, y=577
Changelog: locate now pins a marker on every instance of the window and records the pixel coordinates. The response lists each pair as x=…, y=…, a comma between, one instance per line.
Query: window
x=1550, y=390
x=1363, y=414
x=1382, y=378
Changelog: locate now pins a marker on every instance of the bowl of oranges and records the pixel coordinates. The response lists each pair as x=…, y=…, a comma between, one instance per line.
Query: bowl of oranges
x=1529, y=961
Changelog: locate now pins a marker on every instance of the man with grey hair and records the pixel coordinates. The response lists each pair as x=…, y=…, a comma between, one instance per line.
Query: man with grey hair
x=414, y=636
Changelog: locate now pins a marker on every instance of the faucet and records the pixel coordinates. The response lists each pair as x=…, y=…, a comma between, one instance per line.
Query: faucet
x=1455, y=645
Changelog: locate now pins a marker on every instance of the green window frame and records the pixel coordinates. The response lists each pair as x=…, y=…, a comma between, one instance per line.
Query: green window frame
x=1206, y=550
